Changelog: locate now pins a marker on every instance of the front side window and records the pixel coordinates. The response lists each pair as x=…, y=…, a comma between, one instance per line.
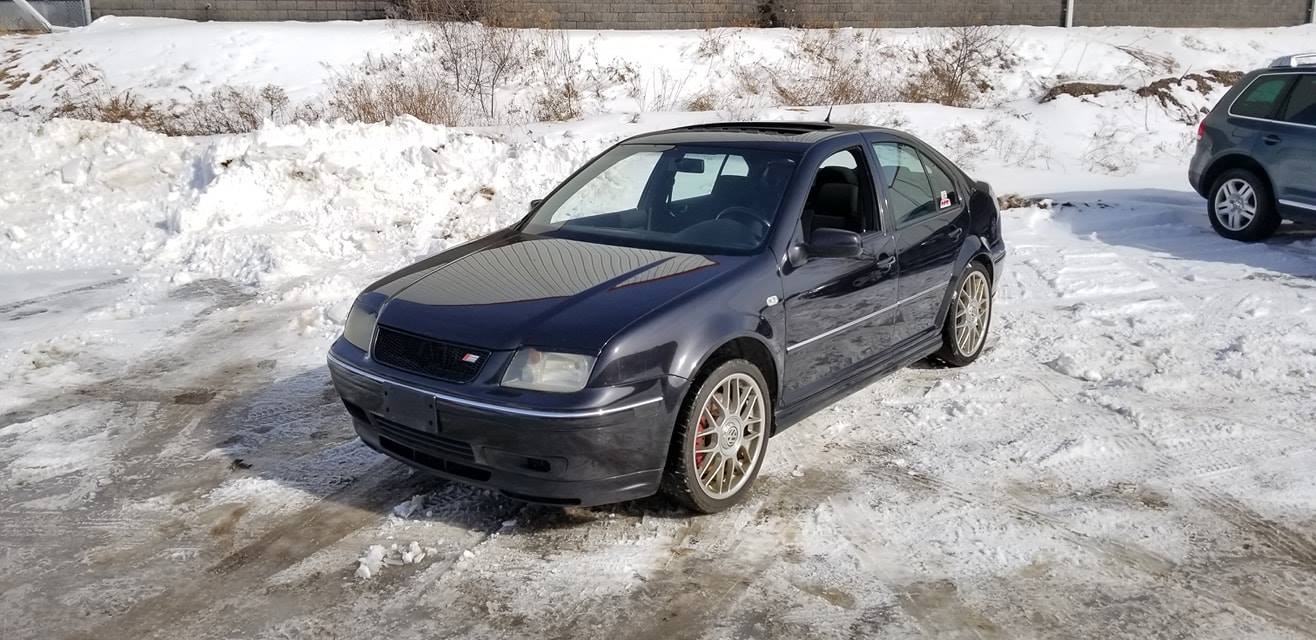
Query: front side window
x=1261, y=97
x=1301, y=108
x=841, y=196
x=909, y=190
x=692, y=198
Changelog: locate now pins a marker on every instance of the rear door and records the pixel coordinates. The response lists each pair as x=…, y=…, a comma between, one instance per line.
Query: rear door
x=1293, y=163
x=929, y=217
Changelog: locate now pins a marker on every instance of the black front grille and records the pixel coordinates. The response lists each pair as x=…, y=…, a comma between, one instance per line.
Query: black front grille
x=416, y=439
x=441, y=360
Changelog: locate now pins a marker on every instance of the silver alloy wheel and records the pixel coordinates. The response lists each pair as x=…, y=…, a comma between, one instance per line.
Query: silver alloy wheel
x=729, y=435
x=1235, y=204
x=972, y=312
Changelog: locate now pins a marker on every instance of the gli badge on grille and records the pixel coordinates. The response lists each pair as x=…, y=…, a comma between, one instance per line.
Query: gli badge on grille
x=470, y=358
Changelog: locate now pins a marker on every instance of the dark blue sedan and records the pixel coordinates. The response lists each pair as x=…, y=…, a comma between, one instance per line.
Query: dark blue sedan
x=676, y=302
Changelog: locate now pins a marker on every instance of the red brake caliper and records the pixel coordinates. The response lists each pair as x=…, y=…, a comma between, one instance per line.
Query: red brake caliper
x=701, y=433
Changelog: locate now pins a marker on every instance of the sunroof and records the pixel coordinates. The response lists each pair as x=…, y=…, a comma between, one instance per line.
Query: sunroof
x=780, y=128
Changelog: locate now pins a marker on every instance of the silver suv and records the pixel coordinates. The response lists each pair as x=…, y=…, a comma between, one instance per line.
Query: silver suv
x=1256, y=151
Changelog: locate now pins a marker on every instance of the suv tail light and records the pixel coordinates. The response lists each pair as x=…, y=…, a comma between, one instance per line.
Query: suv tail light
x=1201, y=129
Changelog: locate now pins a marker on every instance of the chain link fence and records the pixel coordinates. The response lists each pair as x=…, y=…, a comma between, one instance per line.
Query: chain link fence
x=37, y=15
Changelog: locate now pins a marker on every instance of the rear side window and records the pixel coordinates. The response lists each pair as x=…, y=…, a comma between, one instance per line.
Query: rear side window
x=1261, y=97
x=943, y=189
x=1301, y=108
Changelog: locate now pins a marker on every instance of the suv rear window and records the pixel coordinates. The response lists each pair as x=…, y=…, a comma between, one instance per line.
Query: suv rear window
x=1301, y=108
x=1261, y=97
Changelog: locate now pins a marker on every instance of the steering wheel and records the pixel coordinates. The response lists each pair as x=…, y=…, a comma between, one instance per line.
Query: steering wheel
x=746, y=214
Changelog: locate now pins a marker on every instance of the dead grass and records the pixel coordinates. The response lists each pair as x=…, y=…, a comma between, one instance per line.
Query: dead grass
x=382, y=89
x=822, y=69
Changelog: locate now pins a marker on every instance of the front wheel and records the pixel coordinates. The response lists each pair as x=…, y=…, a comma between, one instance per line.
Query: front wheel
x=720, y=439
x=970, y=317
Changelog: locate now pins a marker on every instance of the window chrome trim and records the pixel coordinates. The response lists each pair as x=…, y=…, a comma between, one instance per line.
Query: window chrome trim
x=1300, y=205
x=476, y=404
x=831, y=332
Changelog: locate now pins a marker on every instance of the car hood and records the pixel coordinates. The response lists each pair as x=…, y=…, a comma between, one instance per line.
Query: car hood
x=540, y=291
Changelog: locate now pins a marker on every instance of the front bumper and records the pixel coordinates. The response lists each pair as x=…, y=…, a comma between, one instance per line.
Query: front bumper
x=561, y=455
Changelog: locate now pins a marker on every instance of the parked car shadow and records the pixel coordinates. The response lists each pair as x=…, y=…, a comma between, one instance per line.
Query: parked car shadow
x=295, y=432
x=1175, y=225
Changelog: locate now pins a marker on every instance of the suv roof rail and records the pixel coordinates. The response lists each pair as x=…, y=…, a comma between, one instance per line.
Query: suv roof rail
x=1296, y=60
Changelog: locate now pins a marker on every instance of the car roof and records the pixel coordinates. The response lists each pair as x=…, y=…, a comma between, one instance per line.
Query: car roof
x=798, y=135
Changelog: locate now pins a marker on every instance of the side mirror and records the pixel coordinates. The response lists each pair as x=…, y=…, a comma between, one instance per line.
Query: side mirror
x=534, y=204
x=835, y=243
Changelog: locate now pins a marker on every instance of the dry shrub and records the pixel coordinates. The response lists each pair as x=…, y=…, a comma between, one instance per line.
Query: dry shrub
x=822, y=69
x=955, y=66
x=558, y=66
x=712, y=43
x=478, y=59
x=382, y=89
x=662, y=91
x=702, y=102
x=495, y=13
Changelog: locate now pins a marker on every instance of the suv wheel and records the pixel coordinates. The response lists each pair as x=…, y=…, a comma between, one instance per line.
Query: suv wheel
x=720, y=439
x=1242, y=207
x=970, y=317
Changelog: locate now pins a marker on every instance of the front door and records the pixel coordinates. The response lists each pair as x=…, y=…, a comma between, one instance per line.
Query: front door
x=839, y=311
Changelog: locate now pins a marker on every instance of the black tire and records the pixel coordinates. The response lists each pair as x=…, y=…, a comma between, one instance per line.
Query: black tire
x=679, y=481
x=1264, y=222
x=951, y=352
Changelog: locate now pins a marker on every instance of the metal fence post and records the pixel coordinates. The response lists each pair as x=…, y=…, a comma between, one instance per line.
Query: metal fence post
x=86, y=5
x=1069, y=12
x=35, y=15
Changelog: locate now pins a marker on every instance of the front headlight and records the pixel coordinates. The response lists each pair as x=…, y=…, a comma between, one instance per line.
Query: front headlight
x=360, y=326
x=548, y=371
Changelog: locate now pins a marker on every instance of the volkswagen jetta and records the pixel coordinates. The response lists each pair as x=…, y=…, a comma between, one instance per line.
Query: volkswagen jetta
x=680, y=299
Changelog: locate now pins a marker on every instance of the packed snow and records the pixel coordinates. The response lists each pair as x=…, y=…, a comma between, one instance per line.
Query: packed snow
x=1130, y=458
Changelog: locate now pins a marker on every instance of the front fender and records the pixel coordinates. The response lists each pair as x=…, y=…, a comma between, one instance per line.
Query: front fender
x=679, y=338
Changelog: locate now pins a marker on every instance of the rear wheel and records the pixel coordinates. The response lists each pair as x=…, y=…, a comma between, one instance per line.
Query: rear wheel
x=720, y=439
x=1242, y=206
x=970, y=317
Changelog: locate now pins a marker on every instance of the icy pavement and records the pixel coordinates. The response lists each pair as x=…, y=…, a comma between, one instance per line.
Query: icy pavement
x=1132, y=458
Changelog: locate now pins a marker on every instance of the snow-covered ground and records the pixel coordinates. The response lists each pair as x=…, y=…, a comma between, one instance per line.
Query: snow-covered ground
x=1130, y=459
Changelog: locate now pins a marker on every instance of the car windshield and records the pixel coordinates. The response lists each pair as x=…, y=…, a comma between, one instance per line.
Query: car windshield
x=692, y=198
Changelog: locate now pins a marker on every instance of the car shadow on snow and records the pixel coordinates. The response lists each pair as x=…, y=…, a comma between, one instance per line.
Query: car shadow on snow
x=1175, y=224
x=295, y=433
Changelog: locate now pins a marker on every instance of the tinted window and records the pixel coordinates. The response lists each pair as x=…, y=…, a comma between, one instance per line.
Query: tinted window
x=1302, y=102
x=943, y=188
x=909, y=191
x=1260, y=99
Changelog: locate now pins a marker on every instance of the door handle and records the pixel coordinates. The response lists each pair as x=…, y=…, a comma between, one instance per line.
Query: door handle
x=886, y=262
x=1272, y=139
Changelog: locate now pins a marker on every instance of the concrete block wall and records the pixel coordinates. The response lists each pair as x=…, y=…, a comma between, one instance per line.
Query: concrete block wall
x=243, y=9
x=697, y=14
x=1191, y=13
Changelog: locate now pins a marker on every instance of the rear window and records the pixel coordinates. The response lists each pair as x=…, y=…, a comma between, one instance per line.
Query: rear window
x=1261, y=97
x=1301, y=108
